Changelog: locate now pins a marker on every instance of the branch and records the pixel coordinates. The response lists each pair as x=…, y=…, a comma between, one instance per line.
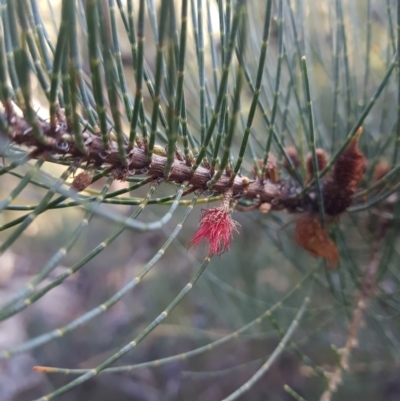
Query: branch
x=361, y=300
x=61, y=143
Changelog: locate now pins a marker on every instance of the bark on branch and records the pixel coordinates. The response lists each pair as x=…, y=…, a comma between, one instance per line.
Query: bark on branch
x=280, y=195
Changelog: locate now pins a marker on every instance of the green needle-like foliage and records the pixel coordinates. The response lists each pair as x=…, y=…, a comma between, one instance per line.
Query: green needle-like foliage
x=132, y=133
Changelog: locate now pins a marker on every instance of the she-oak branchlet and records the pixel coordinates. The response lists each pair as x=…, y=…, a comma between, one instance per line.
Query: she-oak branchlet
x=216, y=226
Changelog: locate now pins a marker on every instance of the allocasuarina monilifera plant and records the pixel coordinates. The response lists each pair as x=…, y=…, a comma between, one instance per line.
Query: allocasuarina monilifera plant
x=286, y=109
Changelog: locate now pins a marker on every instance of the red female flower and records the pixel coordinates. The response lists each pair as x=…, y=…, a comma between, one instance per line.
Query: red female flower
x=216, y=228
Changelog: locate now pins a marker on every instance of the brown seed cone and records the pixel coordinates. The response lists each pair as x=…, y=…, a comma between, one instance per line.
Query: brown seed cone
x=336, y=198
x=312, y=237
x=339, y=189
x=81, y=181
x=350, y=166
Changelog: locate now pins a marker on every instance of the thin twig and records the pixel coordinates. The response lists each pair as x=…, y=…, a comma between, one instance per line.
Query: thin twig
x=361, y=300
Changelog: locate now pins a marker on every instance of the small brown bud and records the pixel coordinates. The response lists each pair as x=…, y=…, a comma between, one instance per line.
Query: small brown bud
x=81, y=181
x=271, y=168
x=159, y=150
x=291, y=151
x=265, y=207
x=322, y=162
x=245, y=181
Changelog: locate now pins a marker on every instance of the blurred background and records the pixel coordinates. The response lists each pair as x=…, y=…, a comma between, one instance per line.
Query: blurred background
x=263, y=265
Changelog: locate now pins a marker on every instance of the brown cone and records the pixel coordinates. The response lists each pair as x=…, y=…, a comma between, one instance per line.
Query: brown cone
x=312, y=237
x=339, y=189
